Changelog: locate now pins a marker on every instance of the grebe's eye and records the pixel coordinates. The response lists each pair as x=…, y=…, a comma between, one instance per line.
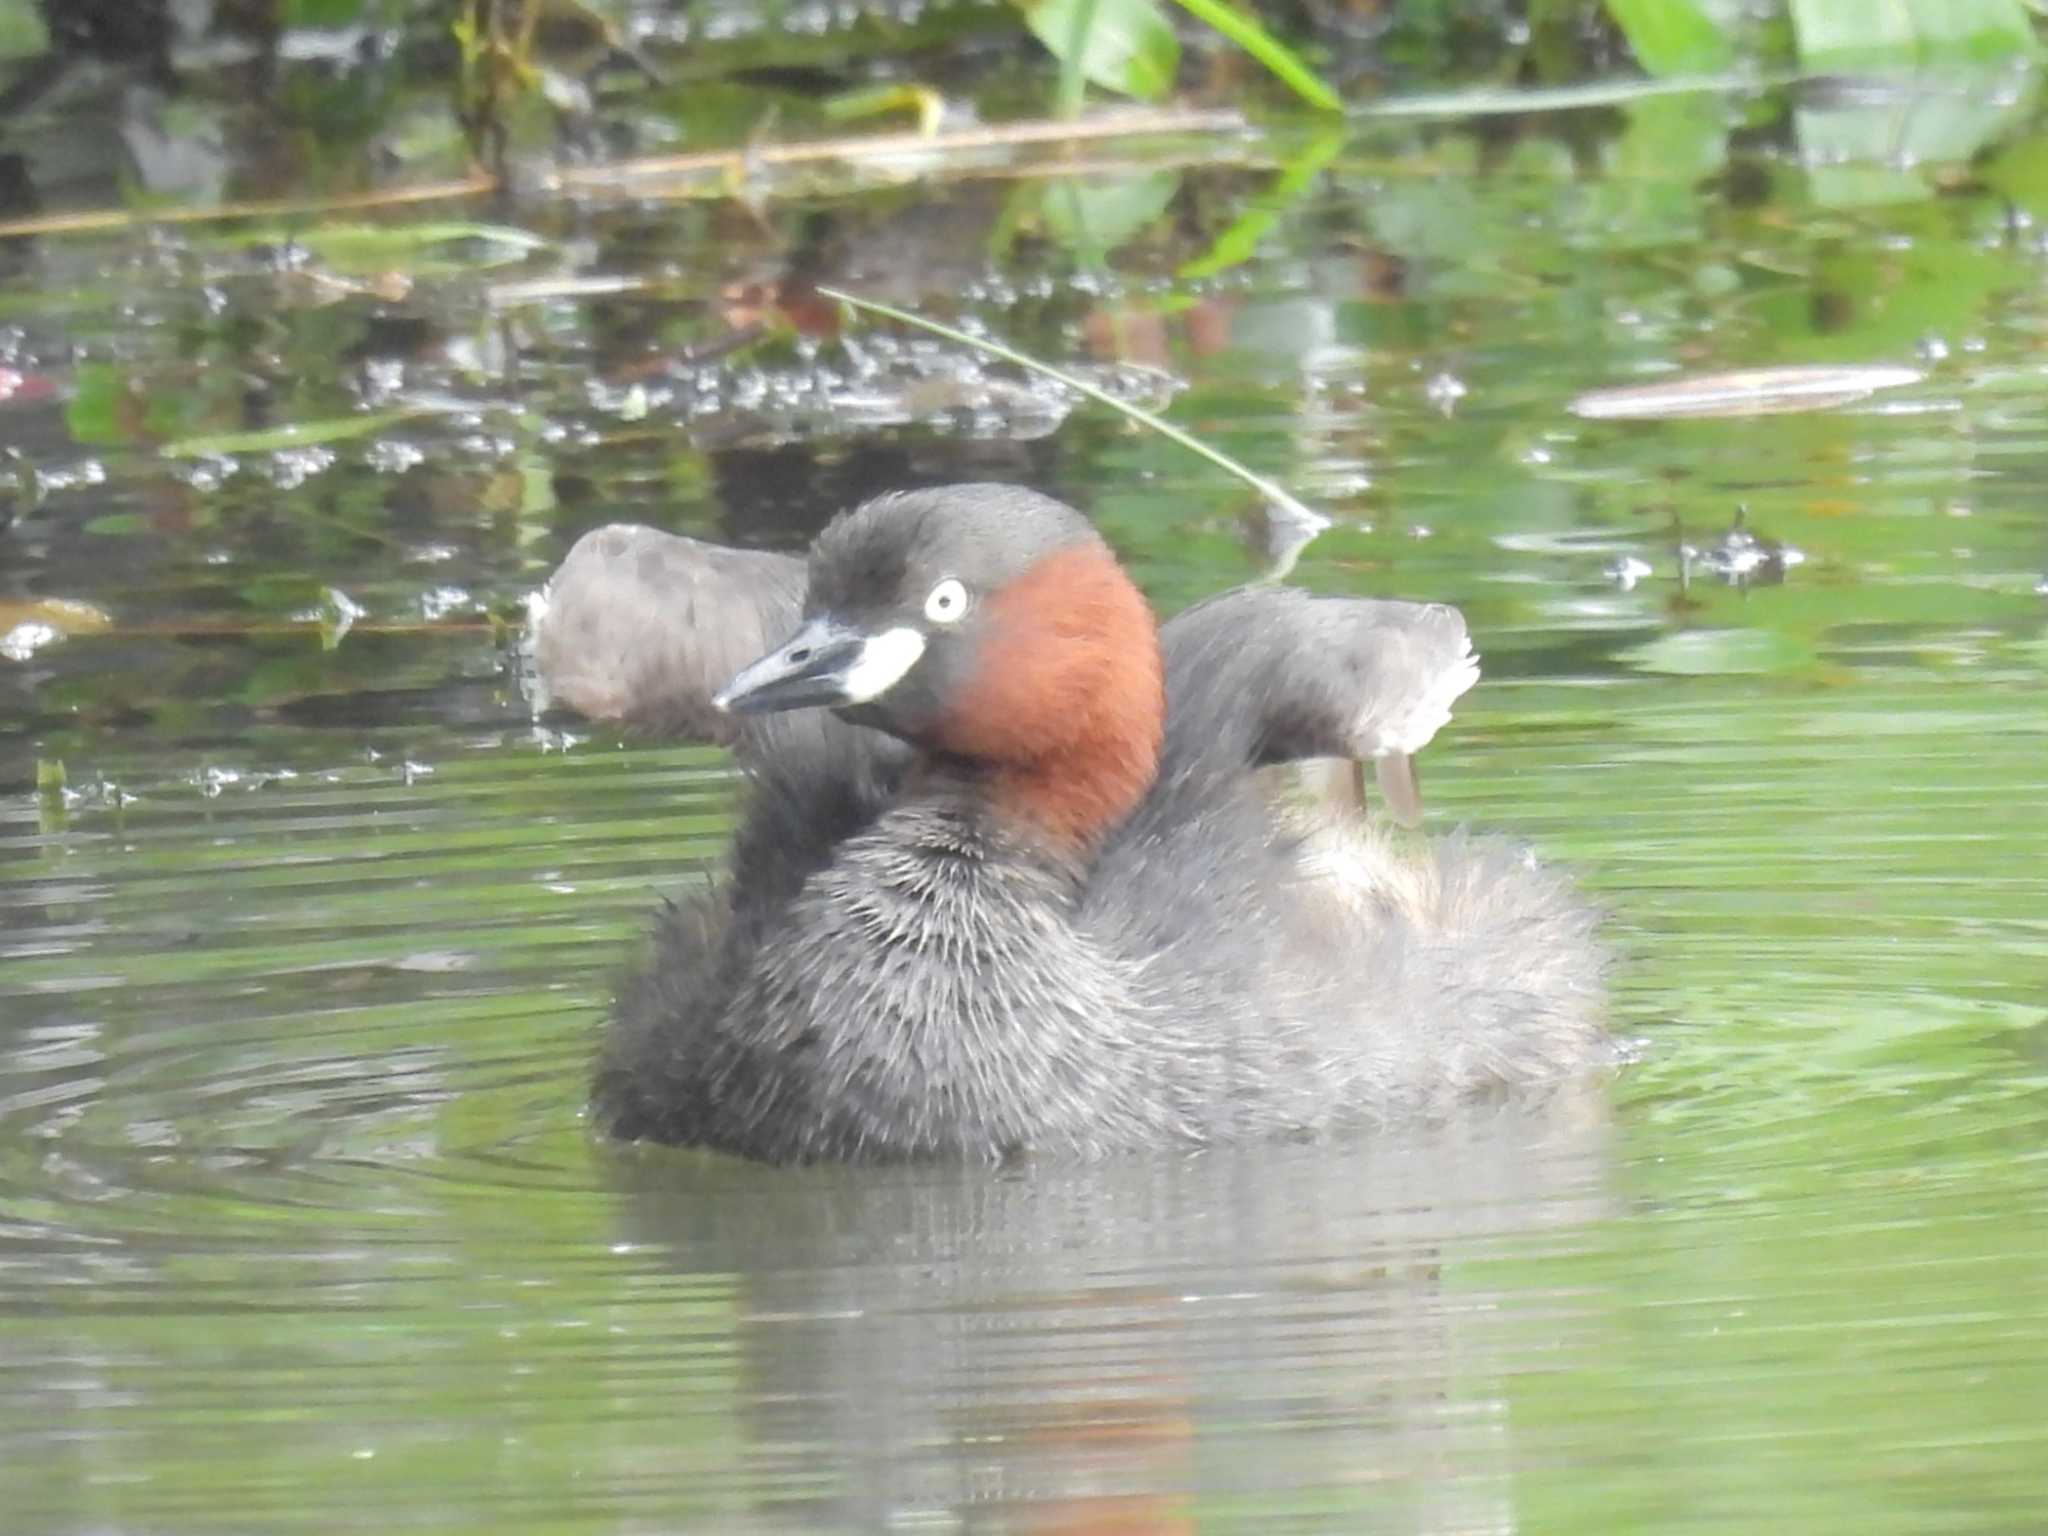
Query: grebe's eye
x=947, y=603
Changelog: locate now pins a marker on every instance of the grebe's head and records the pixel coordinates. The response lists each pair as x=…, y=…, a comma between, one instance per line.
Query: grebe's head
x=989, y=625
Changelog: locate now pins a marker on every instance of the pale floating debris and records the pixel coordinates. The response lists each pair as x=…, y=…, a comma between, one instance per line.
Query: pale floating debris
x=1444, y=391
x=336, y=616
x=28, y=637
x=102, y=793
x=1741, y=558
x=32, y=625
x=435, y=962
x=1744, y=392
x=1626, y=571
x=550, y=740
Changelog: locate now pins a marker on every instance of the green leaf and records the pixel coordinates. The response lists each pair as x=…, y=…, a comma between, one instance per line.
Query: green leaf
x=1121, y=45
x=1243, y=29
x=1874, y=151
x=294, y=435
x=1672, y=37
x=1092, y=216
x=99, y=412
x=22, y=33
x=320, y=13
x=1834, y=34
x=404, y=247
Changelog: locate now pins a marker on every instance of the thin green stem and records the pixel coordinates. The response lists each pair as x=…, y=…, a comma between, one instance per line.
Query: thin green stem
x=1282, y=501
x=1245, y=31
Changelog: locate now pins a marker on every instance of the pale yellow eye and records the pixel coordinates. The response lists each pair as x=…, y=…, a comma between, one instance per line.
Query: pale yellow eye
x=947, y=603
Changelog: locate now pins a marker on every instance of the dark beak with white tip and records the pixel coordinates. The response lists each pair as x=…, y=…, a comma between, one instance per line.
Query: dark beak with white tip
x=817, y=665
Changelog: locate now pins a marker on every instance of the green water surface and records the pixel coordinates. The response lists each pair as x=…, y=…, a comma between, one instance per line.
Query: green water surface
x=300, y=1225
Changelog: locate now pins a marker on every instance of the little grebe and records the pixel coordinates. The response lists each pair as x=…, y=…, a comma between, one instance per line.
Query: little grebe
x=1021, y=885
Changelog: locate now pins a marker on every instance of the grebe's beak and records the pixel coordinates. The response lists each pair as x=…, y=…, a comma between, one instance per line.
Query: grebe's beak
x=826, y=662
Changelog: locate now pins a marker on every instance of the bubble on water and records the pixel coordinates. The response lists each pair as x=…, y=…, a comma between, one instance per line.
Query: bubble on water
x=1626, y=570
x=291, y=468
x=66, y=477
x=383, y=377
x=1444, y=391
x=208, y=472
x=438, y=602
x=1742, y=558
x=393, y=456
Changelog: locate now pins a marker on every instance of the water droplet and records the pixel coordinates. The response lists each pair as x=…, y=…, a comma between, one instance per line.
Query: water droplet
x=1444, y=391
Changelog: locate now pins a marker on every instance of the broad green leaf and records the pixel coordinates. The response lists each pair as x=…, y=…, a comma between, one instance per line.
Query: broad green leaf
x=1976, y=29
x=1672, y=37
x=1095, y=215
x=1869, y=148
x=1834, y=34
x=22, y=33
x=1121, y=45
x=100, y=410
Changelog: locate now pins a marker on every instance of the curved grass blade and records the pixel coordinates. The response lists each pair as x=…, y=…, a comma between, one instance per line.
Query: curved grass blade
x=300, y=434
x=1283, y=502
x=1243, y=29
